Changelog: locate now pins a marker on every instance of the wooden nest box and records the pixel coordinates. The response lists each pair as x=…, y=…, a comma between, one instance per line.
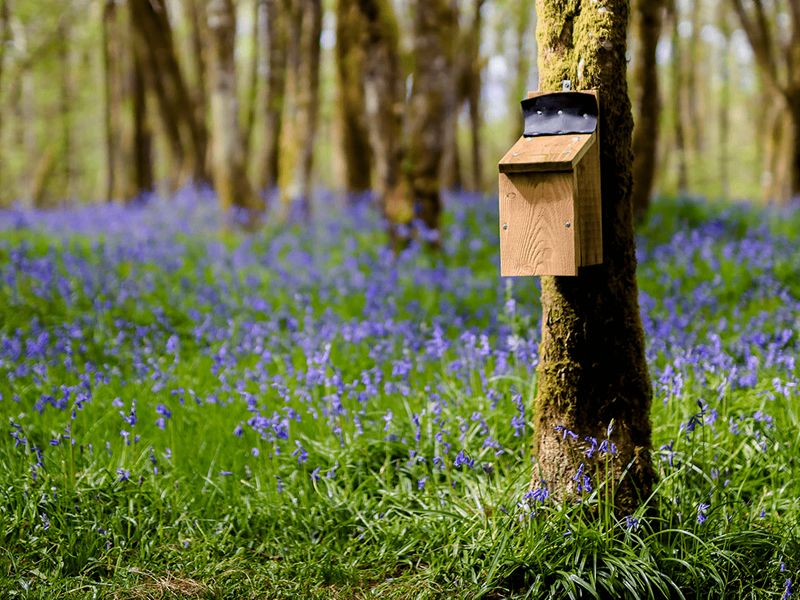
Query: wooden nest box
x=550, y=209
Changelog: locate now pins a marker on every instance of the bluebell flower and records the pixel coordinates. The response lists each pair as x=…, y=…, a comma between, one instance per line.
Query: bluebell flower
x=463, y=459
x=702, y=510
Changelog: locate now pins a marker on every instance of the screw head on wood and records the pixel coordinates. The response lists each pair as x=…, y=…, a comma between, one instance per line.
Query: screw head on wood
x=568, y=224
x=505, y=226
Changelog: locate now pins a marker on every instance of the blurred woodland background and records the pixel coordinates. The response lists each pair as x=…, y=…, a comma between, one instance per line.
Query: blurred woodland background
x=112, y=99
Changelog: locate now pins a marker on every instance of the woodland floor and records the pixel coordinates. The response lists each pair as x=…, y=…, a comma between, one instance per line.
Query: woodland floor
x=295, y=413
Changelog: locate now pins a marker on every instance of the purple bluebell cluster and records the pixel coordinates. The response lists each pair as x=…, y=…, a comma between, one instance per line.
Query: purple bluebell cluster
x=310, y=354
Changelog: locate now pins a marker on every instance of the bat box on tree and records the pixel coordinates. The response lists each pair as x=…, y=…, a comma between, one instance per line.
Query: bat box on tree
x=550, y=209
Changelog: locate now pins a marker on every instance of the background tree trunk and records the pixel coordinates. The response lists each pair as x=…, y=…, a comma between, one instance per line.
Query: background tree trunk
x=450, y=175
x=200, y=70
x=143, y=180
x=275, y=49
x=677, y=81
x=724, y=101
x=112, y=67
x=350, y=60
x=592, y=370
x=251, y=94
x=65, y=112
x=473, y=94
x=434, y=28
x=384, y=102
x=777, y=54
x=230, y=174
x=154, y=46
x=303, y=85
x=648, y=16
x=694, y=82
x=524, y=18
x=5, y=41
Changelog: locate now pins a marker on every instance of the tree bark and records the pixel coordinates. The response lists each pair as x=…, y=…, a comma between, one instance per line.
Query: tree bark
x=523, y=19
x=350, y=59
x=275, y=49
x=65, y=110
x=781, y=78
x=384, y=98
x=450, y=176
x=677, y=83
x=694, y=93
x=5, y=40
x=112, y=59
x=794, y=165
x=473, y=96
x=592, y=371
x=230, y=174
x=724, y=102
x=303, y=82
x=142, y=178
x=199, y=94
x=252, y=79
x=154, y=46
x=434, y=26
x=648, y=104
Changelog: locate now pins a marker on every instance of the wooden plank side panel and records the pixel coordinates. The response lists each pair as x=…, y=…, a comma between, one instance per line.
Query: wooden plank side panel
x=545, y=153
x=588, y=207
x=535, y=209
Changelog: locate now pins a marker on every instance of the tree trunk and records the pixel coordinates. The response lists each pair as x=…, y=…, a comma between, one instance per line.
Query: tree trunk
x=676, y=67
x=648, y=104
x=475, y=123
x=777, y=56
x=592, y=371
x=473, y=98
x=384, y=95
x=523, y=18
x=457, y=70
x=112, y=59
x=230, y=175
x=724, y=102
x=794, y=165
x=694, y=93
x=142, y=179
x=299, y=136
x=153, y=44
x=65, y=110
x=350, y=58
x=434, y=26
x=5, y=41
x=252, y=79
x=200, y=70
x=275, y=49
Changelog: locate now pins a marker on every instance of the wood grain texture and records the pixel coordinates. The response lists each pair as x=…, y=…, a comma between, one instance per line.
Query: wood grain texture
x=588, y=207
x=545, y=153
x=535, y=239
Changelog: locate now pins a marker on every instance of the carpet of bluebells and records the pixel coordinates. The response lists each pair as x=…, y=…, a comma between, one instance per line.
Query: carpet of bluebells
x=192, y=411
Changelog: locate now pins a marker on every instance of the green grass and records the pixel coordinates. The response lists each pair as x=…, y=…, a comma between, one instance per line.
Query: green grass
x=214, y=522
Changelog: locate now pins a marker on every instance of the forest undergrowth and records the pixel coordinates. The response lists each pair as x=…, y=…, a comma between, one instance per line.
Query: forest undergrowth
x=298, y=413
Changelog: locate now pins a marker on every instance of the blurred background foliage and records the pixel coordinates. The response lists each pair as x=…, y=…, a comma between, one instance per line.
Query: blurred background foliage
x=69, y=74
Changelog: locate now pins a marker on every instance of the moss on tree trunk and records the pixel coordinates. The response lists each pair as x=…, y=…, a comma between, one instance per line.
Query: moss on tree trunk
x=592, y=368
